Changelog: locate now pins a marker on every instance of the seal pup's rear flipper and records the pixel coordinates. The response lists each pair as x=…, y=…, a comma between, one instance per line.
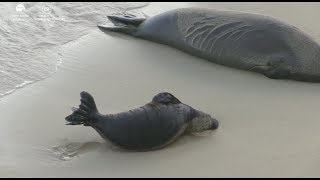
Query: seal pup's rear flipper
x=86, y=111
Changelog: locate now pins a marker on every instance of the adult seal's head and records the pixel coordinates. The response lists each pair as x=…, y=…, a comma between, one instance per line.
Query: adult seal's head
x=150, y=127
x=240, y=40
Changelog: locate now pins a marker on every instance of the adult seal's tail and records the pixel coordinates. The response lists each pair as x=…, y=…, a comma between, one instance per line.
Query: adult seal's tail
x=245, y=41
x=149, y=127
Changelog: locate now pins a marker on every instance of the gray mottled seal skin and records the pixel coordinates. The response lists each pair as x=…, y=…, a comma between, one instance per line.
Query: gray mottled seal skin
x=149, y=127
x=241, y=40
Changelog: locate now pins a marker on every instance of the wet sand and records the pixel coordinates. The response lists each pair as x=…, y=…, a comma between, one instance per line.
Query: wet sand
x=268, y=128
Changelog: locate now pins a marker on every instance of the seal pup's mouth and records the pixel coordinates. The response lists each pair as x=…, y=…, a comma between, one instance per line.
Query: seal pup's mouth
x=73, y=123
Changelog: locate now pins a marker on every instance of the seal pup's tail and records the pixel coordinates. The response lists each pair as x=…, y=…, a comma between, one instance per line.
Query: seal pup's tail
x=86, y=111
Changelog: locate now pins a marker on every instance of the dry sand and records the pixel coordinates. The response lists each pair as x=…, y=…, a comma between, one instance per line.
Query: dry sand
x=268, y=128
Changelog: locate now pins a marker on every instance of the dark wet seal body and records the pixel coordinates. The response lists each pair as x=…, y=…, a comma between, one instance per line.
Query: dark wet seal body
x=149, y=127
x=240, y=40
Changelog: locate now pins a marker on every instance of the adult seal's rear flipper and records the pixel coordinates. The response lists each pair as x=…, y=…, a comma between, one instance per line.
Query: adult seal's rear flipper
x=121, y=29
x=123, y=23
x=127, y=20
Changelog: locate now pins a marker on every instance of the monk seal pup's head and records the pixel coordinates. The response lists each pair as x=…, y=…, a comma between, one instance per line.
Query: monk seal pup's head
x=200, y=121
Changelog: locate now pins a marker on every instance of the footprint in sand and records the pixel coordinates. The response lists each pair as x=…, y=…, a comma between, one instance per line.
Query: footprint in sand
x=69, y=150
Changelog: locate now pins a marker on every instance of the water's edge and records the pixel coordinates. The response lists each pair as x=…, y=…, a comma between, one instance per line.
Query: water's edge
x=48, y=58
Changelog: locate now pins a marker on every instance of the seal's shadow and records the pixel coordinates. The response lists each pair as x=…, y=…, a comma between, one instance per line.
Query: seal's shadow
x=68, y=150
x=191, y=140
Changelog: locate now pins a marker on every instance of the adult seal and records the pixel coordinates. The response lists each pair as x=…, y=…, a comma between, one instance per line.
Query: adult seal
x=150, y=127
x=240, y=40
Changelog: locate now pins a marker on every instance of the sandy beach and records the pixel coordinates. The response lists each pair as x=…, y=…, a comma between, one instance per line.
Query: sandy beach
x=268, y=128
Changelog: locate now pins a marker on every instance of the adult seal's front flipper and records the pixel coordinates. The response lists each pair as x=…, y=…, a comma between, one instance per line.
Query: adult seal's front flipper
x=275, y=69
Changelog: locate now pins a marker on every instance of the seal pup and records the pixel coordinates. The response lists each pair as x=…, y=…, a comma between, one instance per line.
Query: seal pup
x=150, y=127
x=246, y=41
